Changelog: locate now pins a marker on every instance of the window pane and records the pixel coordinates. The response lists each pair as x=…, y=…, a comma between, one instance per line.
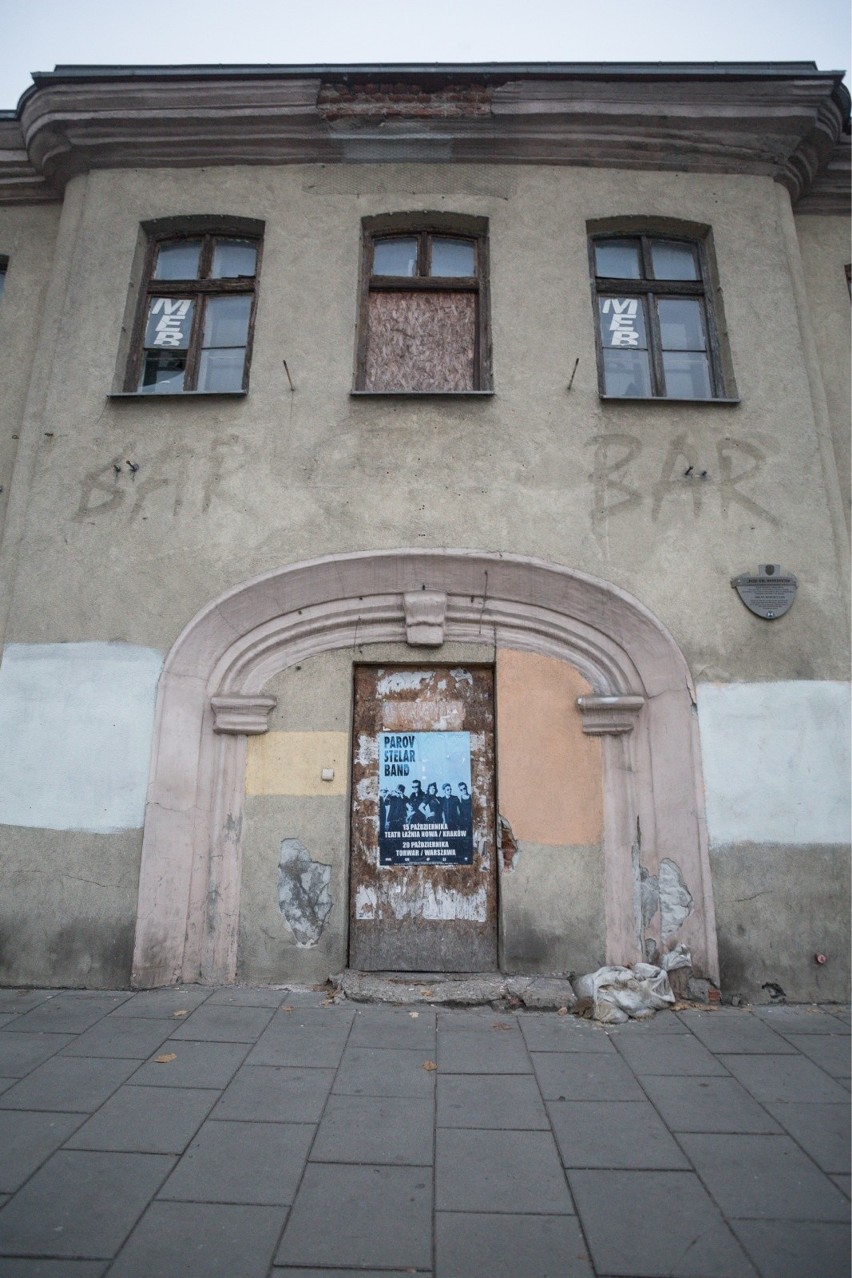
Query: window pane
x=226, y=320
x=673, y=261
x=232, y=258
x=178, y=261
x=622, y=322
x=618, y=259
x=169, y=322
x=681, y=328
x=452, y=257
x=687, y=375
x=221, y=370
x=627, y=373
x=421, y=342
x=397, y=256
x=162, y=372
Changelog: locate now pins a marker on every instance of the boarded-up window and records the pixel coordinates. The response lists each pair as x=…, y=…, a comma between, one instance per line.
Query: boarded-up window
x=423, y=312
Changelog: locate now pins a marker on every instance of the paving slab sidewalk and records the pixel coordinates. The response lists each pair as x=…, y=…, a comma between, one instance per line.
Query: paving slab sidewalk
x=259, y=1133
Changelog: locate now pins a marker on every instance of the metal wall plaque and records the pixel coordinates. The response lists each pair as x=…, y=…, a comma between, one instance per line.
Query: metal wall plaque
x=769, y=593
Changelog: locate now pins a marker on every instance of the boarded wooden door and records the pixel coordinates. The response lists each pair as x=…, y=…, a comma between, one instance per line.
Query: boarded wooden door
x=423, y=894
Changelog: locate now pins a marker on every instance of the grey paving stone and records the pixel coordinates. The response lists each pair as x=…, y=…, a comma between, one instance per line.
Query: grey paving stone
x=655, y=1224
x=195, y=1065
x=548, y=1033
x=698, y=1104
x=162, y=1004
x=499, y=1171
x=242, y=1163
x=65, y=1015
x=7, y=1082
x=501, y=1101
x=384, y=1072
x=126, y=1037
x=53, y=1268
x=20, y=1053
x=5, y=1018
x=821, y=1130
x=756, y=1177
x=584, y=1076
x=376, y=1129
x=236, y=996
x=664, y=1021
x=146, y=1120
x=288, y=1272
x=80, y=1204
x=667, y=1054
x=201, y=1240
x=23, y=1000
x=302, y=997
x=734, y=1030
x=394, y=1027
x=803, y=1019
x=830, y=1051
x=509, y=1246
x=78, y=1084
x=221, y=1024
x=371, y=1216
x=307, y=1037
x=796, y=1248
x=273, y=1094
x=626, y=1134
x=473, y=1020
x=483, y=1052
x=26, y=1140
x=783, y=1078
x=844, y=1184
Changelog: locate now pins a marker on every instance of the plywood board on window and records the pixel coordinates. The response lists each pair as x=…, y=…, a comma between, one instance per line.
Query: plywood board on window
x=421, y=341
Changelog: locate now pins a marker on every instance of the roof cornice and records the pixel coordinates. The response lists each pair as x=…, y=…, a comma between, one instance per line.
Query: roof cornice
x=778, y=120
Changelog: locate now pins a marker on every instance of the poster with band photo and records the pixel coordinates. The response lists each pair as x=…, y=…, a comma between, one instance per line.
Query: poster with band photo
x=424, y=798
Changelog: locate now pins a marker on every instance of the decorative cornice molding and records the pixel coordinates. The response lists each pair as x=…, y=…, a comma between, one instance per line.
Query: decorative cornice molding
x=778, y=121
x=242, y=714
x=20, y=181
x=610, y=716
x=425, y=612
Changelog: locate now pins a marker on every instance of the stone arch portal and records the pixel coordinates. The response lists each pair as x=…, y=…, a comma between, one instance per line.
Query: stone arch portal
x=210, y=699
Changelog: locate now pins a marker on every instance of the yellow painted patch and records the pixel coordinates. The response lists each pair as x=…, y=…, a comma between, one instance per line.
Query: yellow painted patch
x=550, y=774
x=293, y=763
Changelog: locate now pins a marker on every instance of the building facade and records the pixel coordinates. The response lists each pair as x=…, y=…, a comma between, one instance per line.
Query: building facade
x=425, y=523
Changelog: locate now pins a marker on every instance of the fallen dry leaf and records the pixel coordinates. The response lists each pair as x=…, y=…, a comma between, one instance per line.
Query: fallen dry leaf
x=183, y=1011
x=427, y=993
x=414, y=1015
x=501, y=1025
x=430, y=1065
x=563, y=1011
x=165, y=1058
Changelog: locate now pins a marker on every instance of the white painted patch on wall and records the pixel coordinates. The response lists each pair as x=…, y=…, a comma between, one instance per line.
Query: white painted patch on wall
x=421, y=900
x=76, y=721
x=776, y=761
x=401, y=681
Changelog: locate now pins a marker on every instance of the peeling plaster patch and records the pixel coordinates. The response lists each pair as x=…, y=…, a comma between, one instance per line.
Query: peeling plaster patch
x=402, y=681
x=462, y=676
x=368, y=750
x=366, y=902
x=508, y=843
x=649, y=890
x=426, y=901
x=76, y=721
x=676, y=900
x=367, y=788
x=303, y=892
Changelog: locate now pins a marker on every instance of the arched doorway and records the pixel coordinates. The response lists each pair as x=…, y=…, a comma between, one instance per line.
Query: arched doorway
x=211, y=699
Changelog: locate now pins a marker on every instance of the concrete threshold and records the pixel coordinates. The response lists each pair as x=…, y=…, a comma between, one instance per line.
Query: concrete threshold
x=457, y=989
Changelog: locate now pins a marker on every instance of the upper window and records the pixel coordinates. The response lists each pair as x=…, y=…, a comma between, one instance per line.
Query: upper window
x=656, y=331
x=424, y=307
x=196, y=315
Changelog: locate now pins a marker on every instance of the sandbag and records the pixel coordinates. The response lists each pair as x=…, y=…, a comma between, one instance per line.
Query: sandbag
x=618, y=993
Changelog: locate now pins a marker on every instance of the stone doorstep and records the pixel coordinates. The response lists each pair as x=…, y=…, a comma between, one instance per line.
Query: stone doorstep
x=464, y=989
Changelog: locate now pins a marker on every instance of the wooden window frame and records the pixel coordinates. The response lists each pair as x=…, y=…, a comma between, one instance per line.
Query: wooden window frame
x=204, y=286
x=424, y=227
x=654, y=290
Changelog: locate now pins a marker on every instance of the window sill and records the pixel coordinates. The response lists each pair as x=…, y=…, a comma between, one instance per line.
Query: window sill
x=720, y=402
x=172, y=395
x=430, y=394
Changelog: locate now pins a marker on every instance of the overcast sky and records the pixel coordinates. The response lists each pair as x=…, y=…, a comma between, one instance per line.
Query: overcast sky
x=38, y=34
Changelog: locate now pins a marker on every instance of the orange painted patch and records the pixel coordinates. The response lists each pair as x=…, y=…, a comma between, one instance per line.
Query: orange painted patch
x=550, y=775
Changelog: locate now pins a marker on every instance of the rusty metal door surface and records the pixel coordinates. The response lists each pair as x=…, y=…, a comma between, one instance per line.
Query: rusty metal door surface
x=423, y=887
